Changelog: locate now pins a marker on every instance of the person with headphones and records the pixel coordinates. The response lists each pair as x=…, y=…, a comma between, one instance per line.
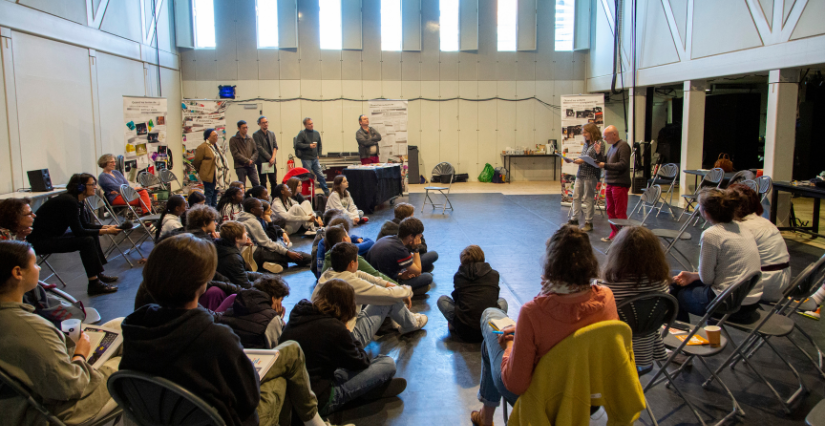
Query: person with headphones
x=66, y=211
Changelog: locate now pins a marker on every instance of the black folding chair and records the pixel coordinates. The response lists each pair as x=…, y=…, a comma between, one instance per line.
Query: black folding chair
x=148, y=401
x=8, y=382
x=671, y=237
x=44, y=260
x=649, y=200
x=713, y=178
x=646, y=314
x=666, y=175
x=817, y=416
x=129, y=195
x=726, y=304
x=94, y=203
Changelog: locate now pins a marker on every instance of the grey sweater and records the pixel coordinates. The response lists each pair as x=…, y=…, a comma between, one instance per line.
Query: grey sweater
x=303, y=142
x=617, y=165
x=257, y=233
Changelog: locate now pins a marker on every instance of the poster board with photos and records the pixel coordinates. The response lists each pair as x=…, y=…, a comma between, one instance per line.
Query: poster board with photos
x=199, y=115
x=576, y=111
x=145, y=137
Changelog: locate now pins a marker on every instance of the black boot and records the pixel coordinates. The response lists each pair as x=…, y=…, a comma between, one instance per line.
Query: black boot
x=107, y=279
x=96, y=287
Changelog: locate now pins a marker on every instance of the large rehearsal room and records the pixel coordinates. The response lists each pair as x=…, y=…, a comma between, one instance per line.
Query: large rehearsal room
x=412, y=212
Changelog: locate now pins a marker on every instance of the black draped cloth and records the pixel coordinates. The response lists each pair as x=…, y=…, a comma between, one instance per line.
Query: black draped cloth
x=371, y=187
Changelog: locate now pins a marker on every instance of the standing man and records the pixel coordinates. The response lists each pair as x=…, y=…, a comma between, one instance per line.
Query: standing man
x=617, y=178
x=307, y=148
x=245, y=154
x=367, y=138
x=267, y=148
x=208, y=160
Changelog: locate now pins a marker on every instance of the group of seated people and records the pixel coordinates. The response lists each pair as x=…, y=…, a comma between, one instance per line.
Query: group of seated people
x=196, y=280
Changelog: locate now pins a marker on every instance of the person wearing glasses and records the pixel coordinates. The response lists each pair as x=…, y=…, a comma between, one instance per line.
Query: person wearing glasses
x=16, y=219
x=110, y=181
x=66, y=211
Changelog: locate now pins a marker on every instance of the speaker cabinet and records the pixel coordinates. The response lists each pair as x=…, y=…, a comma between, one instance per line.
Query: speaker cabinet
x=40, y=180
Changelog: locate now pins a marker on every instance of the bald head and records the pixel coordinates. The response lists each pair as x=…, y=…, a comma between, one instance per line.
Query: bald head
x=611, y=135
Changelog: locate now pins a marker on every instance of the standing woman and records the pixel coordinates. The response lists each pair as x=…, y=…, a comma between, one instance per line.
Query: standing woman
x=588, y=177
x=66, y=211
x=16, y=219
x=340, y=199
x=617, y=166
x=208, y=160
x=298, y=217
x=111, y=180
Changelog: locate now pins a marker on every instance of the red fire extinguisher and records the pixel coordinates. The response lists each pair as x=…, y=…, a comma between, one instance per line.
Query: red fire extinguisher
x=291, y=163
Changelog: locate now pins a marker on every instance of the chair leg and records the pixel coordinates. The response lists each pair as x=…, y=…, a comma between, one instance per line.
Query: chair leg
x=504, y=413
x=818, y=366
x=736, y=407
x=54, y=272
x=650, y=413
x=663, y=370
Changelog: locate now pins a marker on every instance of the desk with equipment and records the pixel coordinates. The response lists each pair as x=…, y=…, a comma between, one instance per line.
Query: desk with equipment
x=373, y=185
x=808, y=191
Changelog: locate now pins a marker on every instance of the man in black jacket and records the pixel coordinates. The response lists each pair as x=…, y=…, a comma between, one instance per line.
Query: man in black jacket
x=267, y=149
x=308, y=148
x=256, y=315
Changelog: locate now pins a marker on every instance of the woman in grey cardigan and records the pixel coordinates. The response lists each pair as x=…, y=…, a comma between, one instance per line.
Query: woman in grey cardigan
x=38, y=355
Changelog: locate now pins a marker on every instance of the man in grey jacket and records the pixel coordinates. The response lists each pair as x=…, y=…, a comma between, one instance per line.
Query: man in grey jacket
x=267, y=148
x=617, y=177
x=245, y=154
x=367, y=138
x=308, y=148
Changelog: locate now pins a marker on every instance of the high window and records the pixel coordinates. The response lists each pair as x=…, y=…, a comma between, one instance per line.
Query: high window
x=565, y=19
x=267, y=23
x=448, y=25
x=507, y=24
x=204, y=19
x=391, y=25
x=330, y=21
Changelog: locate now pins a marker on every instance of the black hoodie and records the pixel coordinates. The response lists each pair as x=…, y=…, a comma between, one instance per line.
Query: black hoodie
x=231, y=263
x=476, y=289
x=249, y=316
x=327, y=344
x=188, y=348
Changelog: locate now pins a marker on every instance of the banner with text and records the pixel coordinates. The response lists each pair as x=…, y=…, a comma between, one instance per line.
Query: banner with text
x=389, y=118
x=144, y=135
x=576, y=111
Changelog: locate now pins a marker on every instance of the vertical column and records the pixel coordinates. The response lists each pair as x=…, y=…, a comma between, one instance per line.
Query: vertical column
x=7, y=73
x=636, y=121
x=780, y=132
x=693, y=130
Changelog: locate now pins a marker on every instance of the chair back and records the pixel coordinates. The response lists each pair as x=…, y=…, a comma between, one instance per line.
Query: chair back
x=95, y=202
x=646, y=313
x=731, y=299
x=128, y=193
x=668, y=171
x=651, y=196
x=804, y=285
x=741, y=175
x=765, y=185
x=713, y=178
x=750, y=183
x=7, y=382
x=167, y=177
x=149, y=400
x=445, y=168
x=146, y=180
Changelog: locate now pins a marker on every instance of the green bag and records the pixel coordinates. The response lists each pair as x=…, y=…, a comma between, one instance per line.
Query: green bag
x=486, y=174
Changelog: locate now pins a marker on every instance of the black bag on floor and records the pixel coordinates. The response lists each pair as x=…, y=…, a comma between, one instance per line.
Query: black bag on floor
x=320, y=203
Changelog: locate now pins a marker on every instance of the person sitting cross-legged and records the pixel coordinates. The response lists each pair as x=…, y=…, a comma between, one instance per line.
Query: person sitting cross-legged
x=231, y=263
x=268, y=251
x=256, y=315
x=364, y=244
x=178, y=341
x=382, y=298
x=340, y=370
x=397, y=256
x=390, y=227
x=337, y=234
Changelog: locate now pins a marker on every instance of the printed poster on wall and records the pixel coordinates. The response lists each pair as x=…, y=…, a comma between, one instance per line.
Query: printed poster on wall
x=144, y=135
x=576, y=111
x=199, y=115
x=389, y=118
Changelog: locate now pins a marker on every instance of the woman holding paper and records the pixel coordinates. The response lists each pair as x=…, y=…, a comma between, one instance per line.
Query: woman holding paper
x=567, y=302
x=584, y=191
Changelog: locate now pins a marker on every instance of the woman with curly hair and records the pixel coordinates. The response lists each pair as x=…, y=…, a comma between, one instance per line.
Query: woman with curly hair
x=16, y=219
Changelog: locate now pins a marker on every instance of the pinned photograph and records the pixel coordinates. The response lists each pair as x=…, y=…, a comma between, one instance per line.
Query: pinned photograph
x=141, y=128
x=161, y=120
x=153, y=137
x=141, y=149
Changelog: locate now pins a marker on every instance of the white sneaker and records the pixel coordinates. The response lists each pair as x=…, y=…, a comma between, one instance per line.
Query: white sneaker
x=273, y=267
x=310, y=233
x=422, y=320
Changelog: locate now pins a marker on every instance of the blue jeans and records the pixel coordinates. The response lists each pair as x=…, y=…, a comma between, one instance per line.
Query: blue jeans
x=693, y=298
x=427, y=261
x=423, y=280
x=315, y=167
x=491, y=388
x=446, y=305
x=350, y=384
x=370, y=318
x=210, y=193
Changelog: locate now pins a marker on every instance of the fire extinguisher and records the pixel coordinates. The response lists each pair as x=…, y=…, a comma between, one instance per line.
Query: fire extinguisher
x=291, y=163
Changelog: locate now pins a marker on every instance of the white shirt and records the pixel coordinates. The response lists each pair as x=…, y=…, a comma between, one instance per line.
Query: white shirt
x=772, y=251
x=729, y=255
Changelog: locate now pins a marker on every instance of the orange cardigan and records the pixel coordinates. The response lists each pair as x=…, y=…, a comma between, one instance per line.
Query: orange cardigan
x=544, y=322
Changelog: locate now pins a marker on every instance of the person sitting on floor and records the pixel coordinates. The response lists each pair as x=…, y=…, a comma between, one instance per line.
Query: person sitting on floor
x=110, y=181
x=338, y=234
x=728, y=255
x=319, y=235
x=475, y=289
x=202, y=222
x=16, y=219
x=256, y=315
x=390, y=227
x=397, y=256
x=364, y=244
x=298, y=217
x=382, y=298
x=67, y=211
x=170, y=219
x=259, y=192
x=229, y=206
x=231, y=263
x=196, y=198
x=272, y=225
x=177, y=340
x=636, y=265
x=340, y=370
x=340, y=199
x=773, y=252
x=40, y=357
x=267, y=250
x=567, y=302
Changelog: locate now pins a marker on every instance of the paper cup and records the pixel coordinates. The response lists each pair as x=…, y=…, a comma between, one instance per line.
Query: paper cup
x=72, y=328
x=714, y=334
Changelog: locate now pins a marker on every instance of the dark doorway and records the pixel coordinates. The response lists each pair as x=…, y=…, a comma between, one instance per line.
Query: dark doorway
x=732, y=126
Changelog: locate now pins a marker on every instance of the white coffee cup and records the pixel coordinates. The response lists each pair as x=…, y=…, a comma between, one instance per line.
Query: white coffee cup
x=72, y=328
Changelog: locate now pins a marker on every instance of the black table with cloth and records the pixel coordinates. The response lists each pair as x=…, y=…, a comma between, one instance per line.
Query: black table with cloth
x=369, y=187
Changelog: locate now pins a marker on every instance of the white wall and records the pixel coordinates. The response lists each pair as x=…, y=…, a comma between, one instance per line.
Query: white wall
x=69, y=76
x=466, y=133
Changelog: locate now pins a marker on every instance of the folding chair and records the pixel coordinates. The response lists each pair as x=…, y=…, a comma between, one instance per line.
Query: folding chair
x=740, y=176
x=167, y=176
x=666, y=175
x=129, y=194
x=765, y=186
x=726, y=304
x=649, y=200
x=6, y=380
x=441, y=169
x=148, y=181
x=645, y=314
x=149, y=400
x=671, y=237
x=44, y=259
x=713, y=178
x=96, y=202
x=750, y=183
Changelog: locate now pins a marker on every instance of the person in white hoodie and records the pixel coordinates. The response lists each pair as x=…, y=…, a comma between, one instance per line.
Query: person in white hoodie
x=382, y=298
x=298, y=217
x=340, y=199
x=170, y=219
x=267, y=250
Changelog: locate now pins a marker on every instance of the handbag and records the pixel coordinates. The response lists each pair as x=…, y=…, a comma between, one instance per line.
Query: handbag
x=53, y=304
x=724, y=163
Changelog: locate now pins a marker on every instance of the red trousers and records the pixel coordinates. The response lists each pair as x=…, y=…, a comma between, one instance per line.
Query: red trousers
x=370, y=160
x=143, y=202
x=616, y=199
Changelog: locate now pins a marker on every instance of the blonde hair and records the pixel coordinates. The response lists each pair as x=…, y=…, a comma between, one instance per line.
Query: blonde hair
x=104, y=159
